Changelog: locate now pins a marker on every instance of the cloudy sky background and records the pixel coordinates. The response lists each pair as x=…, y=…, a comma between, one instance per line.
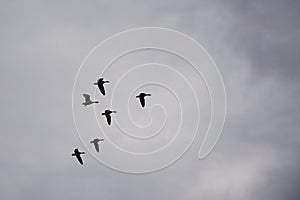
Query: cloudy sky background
x=254, y=43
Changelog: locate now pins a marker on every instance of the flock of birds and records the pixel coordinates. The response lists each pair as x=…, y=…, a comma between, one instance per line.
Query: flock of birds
x=107, y=113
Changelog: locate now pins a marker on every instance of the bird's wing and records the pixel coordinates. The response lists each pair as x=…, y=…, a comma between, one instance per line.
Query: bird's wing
x=79, y=158
x=97, y=146
x=101, y=88
x=142, y=100
x=108, y=117
x=87, y=97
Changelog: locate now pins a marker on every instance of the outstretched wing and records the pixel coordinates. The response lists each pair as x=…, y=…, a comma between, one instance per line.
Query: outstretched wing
x=87, y=97
x=79, y=158
x=142, y=100
x=96, y=146
x=108, y=118
x=101, y=88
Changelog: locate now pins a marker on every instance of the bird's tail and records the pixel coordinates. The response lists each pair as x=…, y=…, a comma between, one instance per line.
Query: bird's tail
x=96, y=102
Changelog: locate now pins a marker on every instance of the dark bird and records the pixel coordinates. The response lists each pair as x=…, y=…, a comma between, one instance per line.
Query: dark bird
x=96, y=143
x=77, y=153
x=88, y=100
x=142, y=96
x=107, y=114
x=100, y=84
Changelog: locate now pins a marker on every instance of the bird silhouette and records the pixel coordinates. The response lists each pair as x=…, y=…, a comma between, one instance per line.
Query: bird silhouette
x=142, y=96
x=77, y=153
x=96, y=143
x=88, y=100
x=100, y=84
x=107, y=114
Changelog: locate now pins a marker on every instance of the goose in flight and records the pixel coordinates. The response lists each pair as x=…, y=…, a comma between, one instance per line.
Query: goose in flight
x=77, y=153
x=107, y=114
x=88, y=100
x=142, y=96
x=100, y=84
x=96, y=143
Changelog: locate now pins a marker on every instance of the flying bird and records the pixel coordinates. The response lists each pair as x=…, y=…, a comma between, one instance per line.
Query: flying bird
x=96, y=143
x=88, y=100
x=100, y=84
x=142, y=96
x=77, y=153
x=107, y=114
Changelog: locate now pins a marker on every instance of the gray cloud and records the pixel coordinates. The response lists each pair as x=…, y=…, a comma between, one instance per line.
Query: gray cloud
x=254, y=43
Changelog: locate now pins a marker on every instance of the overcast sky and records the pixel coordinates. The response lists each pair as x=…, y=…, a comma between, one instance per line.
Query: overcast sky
x=256, y=46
